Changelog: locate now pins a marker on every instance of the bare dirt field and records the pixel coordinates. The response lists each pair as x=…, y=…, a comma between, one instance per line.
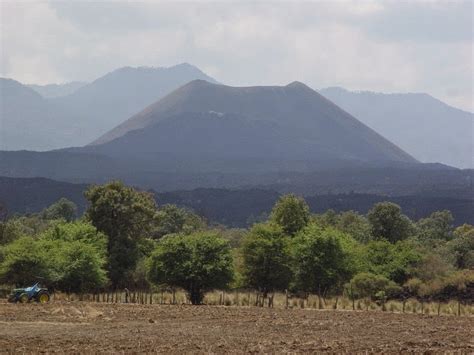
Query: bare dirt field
x=129, y=328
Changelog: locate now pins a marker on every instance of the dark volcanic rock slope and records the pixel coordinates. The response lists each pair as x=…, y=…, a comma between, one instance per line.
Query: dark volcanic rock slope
x=208, y=120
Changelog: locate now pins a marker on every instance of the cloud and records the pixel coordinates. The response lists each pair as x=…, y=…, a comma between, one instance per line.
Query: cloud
x=369, y=45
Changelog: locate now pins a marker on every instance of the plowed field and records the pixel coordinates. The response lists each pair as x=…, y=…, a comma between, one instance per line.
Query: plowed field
x=114, y=328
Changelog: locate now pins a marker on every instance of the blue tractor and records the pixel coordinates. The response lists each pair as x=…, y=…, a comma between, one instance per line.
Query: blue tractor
x=34, y=293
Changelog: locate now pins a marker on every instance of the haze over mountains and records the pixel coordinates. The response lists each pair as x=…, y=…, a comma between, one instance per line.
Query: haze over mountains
x=28, y=121
x=57, y=90
x=32, y=122
x=210, y=135
x=425, y=127
x=77, y=113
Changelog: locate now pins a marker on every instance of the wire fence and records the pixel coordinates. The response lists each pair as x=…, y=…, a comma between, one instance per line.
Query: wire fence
x=250, y=298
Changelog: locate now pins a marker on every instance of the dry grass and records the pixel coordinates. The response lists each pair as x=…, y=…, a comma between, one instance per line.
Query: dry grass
x=246, y=299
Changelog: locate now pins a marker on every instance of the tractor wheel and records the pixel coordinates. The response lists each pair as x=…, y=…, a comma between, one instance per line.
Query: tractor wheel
x=42, y=297
x=23, y=298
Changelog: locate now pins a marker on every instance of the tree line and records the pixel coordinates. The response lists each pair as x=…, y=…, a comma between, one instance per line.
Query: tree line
x=124, y=240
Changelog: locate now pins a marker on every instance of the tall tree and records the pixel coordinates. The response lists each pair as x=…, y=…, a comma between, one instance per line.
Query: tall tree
x=124, y=215
x=388, y=222
x=291, y=213
x=461, y=247
x=62, y=209
x=355, y=224
x=266, y=259
x=437, y=228
x=320, y=263
x=197, y=263
x=172, y=219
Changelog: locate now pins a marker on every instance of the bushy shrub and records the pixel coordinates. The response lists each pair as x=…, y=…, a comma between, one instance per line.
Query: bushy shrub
x=372, y=286
x=67, y=257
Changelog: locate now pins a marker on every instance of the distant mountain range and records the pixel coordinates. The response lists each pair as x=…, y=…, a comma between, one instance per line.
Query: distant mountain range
x=287, y=138
x=421, y=125
x=28, y=121
x=77, y=113
x=60, y=119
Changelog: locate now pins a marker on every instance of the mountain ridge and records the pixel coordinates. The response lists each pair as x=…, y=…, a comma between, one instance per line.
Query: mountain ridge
x=302, y=114
x=86, y=113
x=431, y=130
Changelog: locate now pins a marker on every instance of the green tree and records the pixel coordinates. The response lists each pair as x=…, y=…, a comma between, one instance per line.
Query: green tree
x=196, y=263
x=77, y=231
x=435, y=229
x=68, y=256
x=74, y=266
x=327, y=219
x=10, y=230
x=18, y=226
x=171, y=219
x=393, y=261
x=235, y=236
x=124, y=215
x=356, y=225
x=461, y=248
x=62, y=209
x=77, y=255
x=23, y=263
x=266, y=259
x=388, y=222
x=291, y=213
x=320, y=263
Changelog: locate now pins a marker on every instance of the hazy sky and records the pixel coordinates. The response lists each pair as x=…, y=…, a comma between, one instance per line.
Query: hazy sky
x=389, y=46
